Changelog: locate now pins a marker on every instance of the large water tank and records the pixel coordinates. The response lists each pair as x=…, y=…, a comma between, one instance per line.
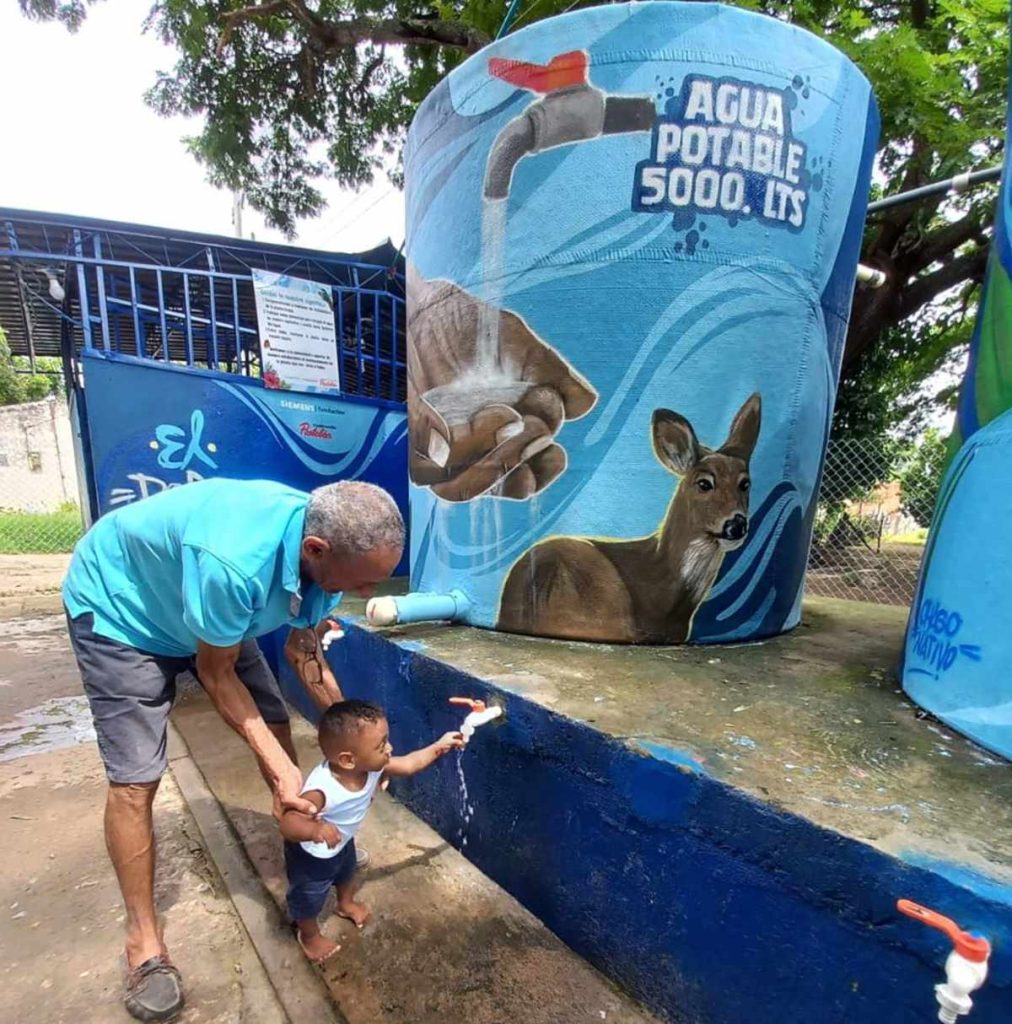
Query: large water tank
x=957, y=661
x=632, y=240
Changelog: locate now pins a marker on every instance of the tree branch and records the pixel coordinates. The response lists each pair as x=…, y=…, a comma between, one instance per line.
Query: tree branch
x=919, y=293
x=326, y=37
x=370, y=69
x=947, y=239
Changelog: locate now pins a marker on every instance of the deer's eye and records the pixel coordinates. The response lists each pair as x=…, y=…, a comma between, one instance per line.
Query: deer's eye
x=704, y=484
x=745, y=486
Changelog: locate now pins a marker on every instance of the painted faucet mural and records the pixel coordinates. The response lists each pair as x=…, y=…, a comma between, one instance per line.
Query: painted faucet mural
x=613, y=214
x=570, y=110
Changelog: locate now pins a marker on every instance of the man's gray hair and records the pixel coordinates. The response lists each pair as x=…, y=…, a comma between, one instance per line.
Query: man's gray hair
x=354, y=518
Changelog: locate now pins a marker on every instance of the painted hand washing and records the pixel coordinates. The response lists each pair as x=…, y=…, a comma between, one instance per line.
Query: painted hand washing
x=612, y=213
x=965, y=968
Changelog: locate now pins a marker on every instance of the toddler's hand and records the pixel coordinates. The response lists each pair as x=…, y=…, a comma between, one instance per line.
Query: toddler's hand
x=449, y=741
x=326, y=833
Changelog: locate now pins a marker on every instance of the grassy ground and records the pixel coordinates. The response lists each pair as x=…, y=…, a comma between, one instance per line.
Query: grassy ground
x=39, y=532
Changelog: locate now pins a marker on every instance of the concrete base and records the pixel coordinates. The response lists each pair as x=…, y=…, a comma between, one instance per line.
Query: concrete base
x=724, y=831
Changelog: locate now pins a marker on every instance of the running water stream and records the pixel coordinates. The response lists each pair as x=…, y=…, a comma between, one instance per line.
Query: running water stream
x=466, y=808
x=488, y=360
x=490, y=380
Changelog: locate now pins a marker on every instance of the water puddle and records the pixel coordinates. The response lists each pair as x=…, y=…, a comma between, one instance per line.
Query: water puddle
x=58, y=723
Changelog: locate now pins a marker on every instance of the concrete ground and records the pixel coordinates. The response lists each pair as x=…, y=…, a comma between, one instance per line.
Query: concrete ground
x=61, y=919
x=30, y=584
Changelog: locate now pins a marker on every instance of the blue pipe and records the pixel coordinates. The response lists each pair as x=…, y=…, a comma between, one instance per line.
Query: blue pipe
x=388, y=611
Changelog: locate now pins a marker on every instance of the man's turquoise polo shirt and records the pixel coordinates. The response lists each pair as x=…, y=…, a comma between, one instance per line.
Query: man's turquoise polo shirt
x=217, y=560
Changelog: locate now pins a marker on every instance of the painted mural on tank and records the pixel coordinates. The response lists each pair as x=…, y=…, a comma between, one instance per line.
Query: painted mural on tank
x=630, y=267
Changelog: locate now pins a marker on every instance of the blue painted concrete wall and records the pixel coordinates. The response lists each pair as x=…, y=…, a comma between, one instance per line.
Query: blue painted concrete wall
x=152, y=427
x=708, y=905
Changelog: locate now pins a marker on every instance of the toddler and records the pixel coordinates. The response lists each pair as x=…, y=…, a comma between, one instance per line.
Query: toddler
x=320, y=852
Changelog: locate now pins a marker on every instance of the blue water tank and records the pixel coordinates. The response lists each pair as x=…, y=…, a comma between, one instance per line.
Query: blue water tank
x=632, y=240
x=957, y=660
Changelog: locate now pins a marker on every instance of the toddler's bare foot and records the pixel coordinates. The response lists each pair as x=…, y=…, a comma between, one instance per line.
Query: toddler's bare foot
x=357, y=913
x=316, y=946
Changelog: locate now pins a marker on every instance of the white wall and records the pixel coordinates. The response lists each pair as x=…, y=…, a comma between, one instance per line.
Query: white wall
x=36, y=456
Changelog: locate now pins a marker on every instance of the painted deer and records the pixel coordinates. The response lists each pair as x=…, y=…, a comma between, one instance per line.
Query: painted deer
x=645, y=590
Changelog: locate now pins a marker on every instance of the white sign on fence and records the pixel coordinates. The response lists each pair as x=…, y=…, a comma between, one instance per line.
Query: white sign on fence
x=298, y=343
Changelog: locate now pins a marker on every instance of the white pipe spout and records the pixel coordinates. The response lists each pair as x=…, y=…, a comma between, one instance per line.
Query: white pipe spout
x=476, y=718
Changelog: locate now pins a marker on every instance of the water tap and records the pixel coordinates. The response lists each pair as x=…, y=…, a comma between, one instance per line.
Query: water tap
x=965, y=968
x=570, y=110
x=335, y=631
x=479, y=714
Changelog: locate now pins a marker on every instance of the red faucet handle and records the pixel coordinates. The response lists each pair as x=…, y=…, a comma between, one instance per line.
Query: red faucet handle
x=971, y=947
x=474, y=705
x=561, y=72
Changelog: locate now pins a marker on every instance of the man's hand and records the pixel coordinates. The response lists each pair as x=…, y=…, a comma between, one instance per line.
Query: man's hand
x=509, y=445
x=287, y=794
x=326, y=833
x=216, y=672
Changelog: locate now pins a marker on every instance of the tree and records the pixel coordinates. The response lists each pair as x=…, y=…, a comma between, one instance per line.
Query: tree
x=292, y=92
x=17, y=385
x=922, y=476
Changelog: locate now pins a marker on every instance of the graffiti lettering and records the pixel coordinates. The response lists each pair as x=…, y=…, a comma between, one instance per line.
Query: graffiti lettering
x=934, y=639
x=143, y=485
x=173, y=440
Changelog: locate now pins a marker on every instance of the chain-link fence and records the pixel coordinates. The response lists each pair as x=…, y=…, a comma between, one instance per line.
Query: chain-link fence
x=39, y=506
x=874, y=511
x=874, y=508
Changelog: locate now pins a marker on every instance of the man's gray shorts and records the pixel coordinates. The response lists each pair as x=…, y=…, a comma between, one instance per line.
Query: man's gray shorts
x=131, y=693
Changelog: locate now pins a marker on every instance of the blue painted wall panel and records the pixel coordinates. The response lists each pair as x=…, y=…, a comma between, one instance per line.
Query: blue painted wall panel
x=710, y=906
x=152, y=427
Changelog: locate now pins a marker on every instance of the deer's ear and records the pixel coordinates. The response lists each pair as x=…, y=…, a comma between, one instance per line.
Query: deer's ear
x=745, y=429
x=675, y=443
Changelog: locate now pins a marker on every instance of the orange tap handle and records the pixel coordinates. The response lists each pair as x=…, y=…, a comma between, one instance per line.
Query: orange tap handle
x=561, y=72
x=972, y=947
x=474, y=705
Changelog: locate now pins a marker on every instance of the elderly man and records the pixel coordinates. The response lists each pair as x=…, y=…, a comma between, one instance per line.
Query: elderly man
x=186, y=580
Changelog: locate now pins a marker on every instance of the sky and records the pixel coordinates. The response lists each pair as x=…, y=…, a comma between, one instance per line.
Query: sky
x=87, y=144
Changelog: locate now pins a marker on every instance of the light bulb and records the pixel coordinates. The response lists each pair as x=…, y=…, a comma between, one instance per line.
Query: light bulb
x=55, y=288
